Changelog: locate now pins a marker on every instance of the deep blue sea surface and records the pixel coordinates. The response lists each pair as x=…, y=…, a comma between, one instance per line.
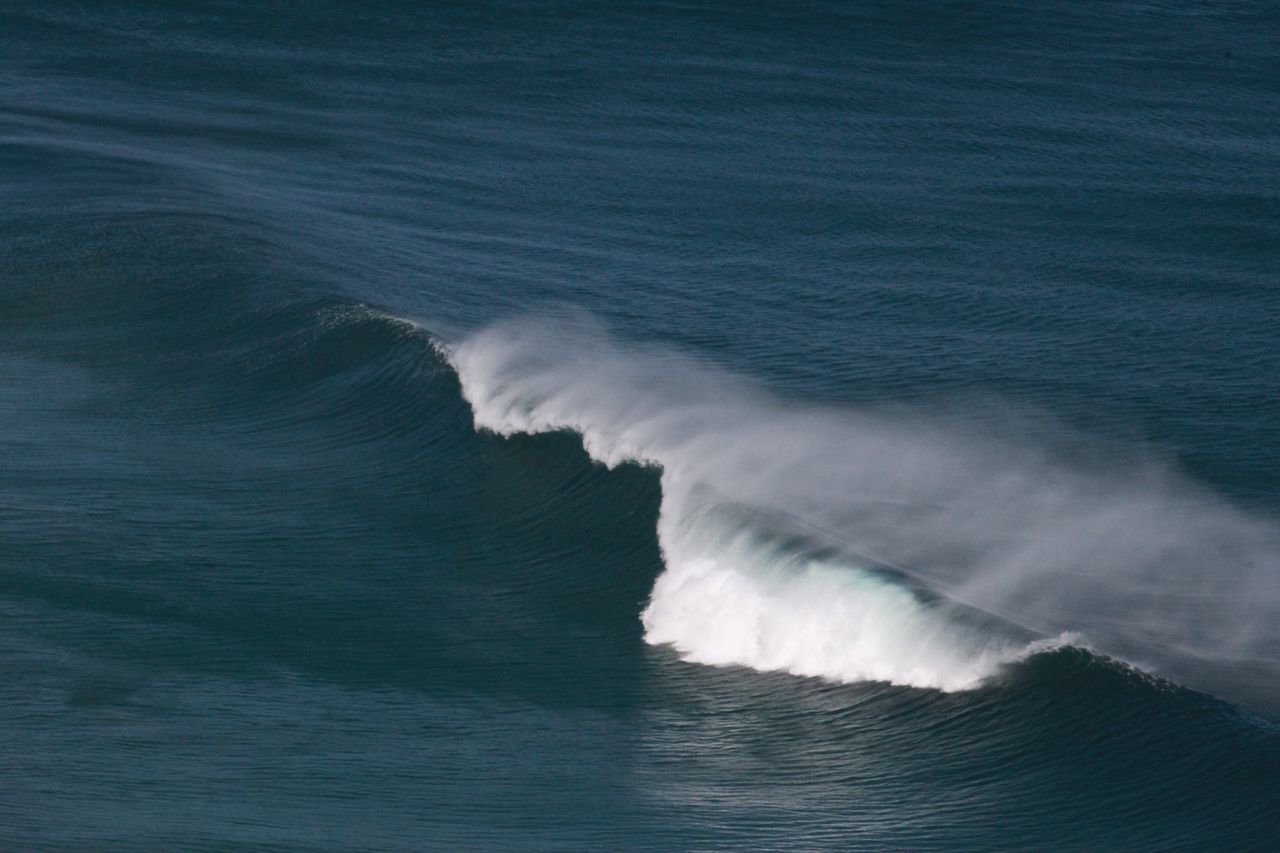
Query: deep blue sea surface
x=665, y=425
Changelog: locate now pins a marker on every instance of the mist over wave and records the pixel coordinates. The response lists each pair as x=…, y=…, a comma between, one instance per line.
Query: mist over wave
x=902, y=546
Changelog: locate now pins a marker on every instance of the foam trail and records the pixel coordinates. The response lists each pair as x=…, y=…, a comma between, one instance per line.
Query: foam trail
x=1145, y=563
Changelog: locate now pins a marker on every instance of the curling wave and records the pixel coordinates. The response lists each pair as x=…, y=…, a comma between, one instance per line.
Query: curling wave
x=1010, y=550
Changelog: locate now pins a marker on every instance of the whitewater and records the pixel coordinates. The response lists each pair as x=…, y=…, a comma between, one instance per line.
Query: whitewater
x=893, y=544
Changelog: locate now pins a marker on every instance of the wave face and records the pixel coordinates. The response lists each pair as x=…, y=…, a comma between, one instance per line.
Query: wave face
x=1144, y=564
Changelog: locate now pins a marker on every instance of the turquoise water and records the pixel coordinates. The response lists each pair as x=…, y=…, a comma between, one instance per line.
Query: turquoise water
x=639, y=426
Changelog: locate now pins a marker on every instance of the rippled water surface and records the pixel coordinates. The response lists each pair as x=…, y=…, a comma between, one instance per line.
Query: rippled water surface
x=639, y=426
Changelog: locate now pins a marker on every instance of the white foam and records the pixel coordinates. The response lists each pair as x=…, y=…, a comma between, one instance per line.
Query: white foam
x=730, y=596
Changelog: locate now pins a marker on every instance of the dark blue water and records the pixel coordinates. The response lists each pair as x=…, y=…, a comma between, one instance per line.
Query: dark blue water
x=639, y=426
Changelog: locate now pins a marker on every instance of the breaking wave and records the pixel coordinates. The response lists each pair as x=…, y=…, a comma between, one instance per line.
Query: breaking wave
x=785, y=528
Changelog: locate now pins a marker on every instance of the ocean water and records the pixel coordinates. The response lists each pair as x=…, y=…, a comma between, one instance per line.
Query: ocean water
x=639, y=425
